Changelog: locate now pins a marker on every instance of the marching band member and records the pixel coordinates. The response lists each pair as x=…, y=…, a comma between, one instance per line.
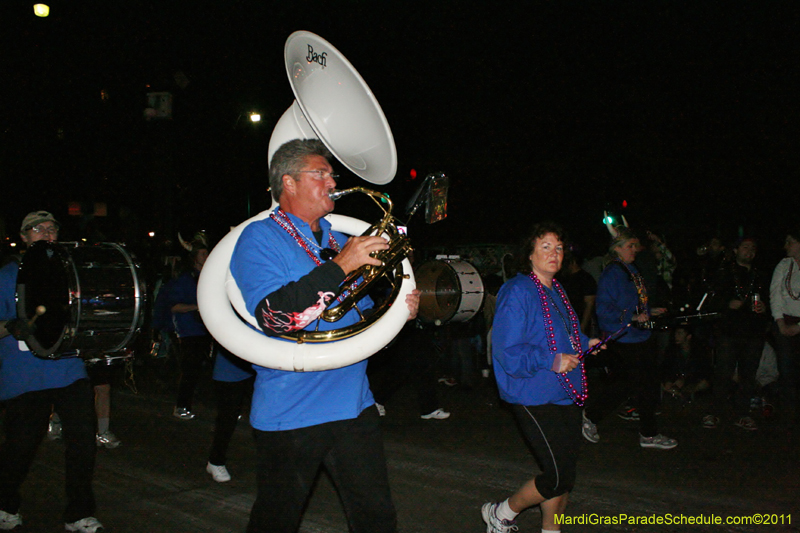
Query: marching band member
x=30, y=388
x=537, y=345
x=622, y=299
x=194, y=341
x=287, y=267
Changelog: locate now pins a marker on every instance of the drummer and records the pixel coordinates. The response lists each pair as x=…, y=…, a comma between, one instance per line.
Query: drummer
x=31, y=387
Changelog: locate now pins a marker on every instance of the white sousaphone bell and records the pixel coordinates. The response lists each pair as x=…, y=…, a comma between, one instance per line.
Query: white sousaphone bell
x=334, y=104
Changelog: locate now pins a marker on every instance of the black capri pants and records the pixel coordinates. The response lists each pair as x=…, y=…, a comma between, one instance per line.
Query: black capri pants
x=554, y=433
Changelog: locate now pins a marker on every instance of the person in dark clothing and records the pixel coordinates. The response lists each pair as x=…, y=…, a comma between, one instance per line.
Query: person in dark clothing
x=581, y=290
x=233, y=382
x=194, y=342
x=411, y=358
x=741, y=294
x=685, y=369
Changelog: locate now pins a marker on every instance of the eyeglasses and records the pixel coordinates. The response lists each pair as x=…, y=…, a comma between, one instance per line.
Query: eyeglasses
x=322, y=174
x=45, y=230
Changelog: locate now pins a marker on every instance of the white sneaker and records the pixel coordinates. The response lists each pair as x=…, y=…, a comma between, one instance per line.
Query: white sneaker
x=439, y=414
x=219, y=473
x=494, y=524
x=590, y=430
x=710, y=421
x=9, y=521
x=659, y=442
x=54, y=428
x=107, y=439
x=182, y=413
x=89, y=524
x=381, y=409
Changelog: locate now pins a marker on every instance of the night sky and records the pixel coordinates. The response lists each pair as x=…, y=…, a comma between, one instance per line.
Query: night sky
x=686, y=110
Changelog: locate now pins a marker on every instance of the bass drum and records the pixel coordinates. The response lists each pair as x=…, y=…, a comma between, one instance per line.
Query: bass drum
x=85, y=300
x=450, y=291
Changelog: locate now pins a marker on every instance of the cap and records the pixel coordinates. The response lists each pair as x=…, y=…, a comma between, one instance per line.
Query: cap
x=37, y=217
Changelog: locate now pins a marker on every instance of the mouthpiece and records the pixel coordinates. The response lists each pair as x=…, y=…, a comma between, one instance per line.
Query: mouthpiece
x=336, y=194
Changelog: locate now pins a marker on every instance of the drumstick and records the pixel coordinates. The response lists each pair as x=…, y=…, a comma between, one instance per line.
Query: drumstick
x=602, y=342
x=40, y=310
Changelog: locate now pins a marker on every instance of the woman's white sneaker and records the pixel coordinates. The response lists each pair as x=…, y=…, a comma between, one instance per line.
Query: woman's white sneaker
x=659, y=442
x=9, y=521
x=439, y=414
x=219, y=473
x=89, y=524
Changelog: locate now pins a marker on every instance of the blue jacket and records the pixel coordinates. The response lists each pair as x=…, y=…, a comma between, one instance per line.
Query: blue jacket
x=616, y=303
x=20, y=370
x=522, y=358
x=265, y=259
x=183, y=290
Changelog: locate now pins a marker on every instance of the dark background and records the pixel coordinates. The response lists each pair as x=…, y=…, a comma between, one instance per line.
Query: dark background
x=687, y=111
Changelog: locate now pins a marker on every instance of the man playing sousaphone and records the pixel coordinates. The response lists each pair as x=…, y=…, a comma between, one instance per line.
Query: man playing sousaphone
x=289, y=267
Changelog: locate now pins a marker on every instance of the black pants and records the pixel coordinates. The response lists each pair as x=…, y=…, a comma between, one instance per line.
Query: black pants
x=554, y=434
x=230, y=399
x=26, y=422
x=194, y=352
x=411, y=359
x=740, y=355
x=637, y=370
x=352, y=453
x=788, y=353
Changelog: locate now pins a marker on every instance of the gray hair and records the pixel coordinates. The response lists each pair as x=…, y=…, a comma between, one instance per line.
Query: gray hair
x=623, y=234
x=290, y=158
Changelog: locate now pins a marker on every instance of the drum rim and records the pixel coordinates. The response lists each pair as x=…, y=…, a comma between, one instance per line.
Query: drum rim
x=449, y=264
x=65, y=347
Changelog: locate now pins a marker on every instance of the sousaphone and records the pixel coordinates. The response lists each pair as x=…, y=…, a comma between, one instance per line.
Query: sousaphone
x=334, y=104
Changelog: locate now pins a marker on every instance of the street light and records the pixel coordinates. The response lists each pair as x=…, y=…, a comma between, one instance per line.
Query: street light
x=41, y=10
x=253, y=116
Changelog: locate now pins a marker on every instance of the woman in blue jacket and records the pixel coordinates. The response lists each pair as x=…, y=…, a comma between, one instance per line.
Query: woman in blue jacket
x=537, y=345
x=622, y=300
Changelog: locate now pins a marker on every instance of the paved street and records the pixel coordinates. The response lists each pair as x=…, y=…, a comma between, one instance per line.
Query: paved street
x=441, y=471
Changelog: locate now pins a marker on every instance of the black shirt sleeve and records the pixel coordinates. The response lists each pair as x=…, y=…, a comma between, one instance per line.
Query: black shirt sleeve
x=288, y=309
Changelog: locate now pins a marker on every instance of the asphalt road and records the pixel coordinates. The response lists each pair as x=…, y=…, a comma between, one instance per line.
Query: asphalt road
x=441, y=471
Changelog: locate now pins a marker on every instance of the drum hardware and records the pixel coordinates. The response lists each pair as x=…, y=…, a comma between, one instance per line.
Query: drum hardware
x=108, y=360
